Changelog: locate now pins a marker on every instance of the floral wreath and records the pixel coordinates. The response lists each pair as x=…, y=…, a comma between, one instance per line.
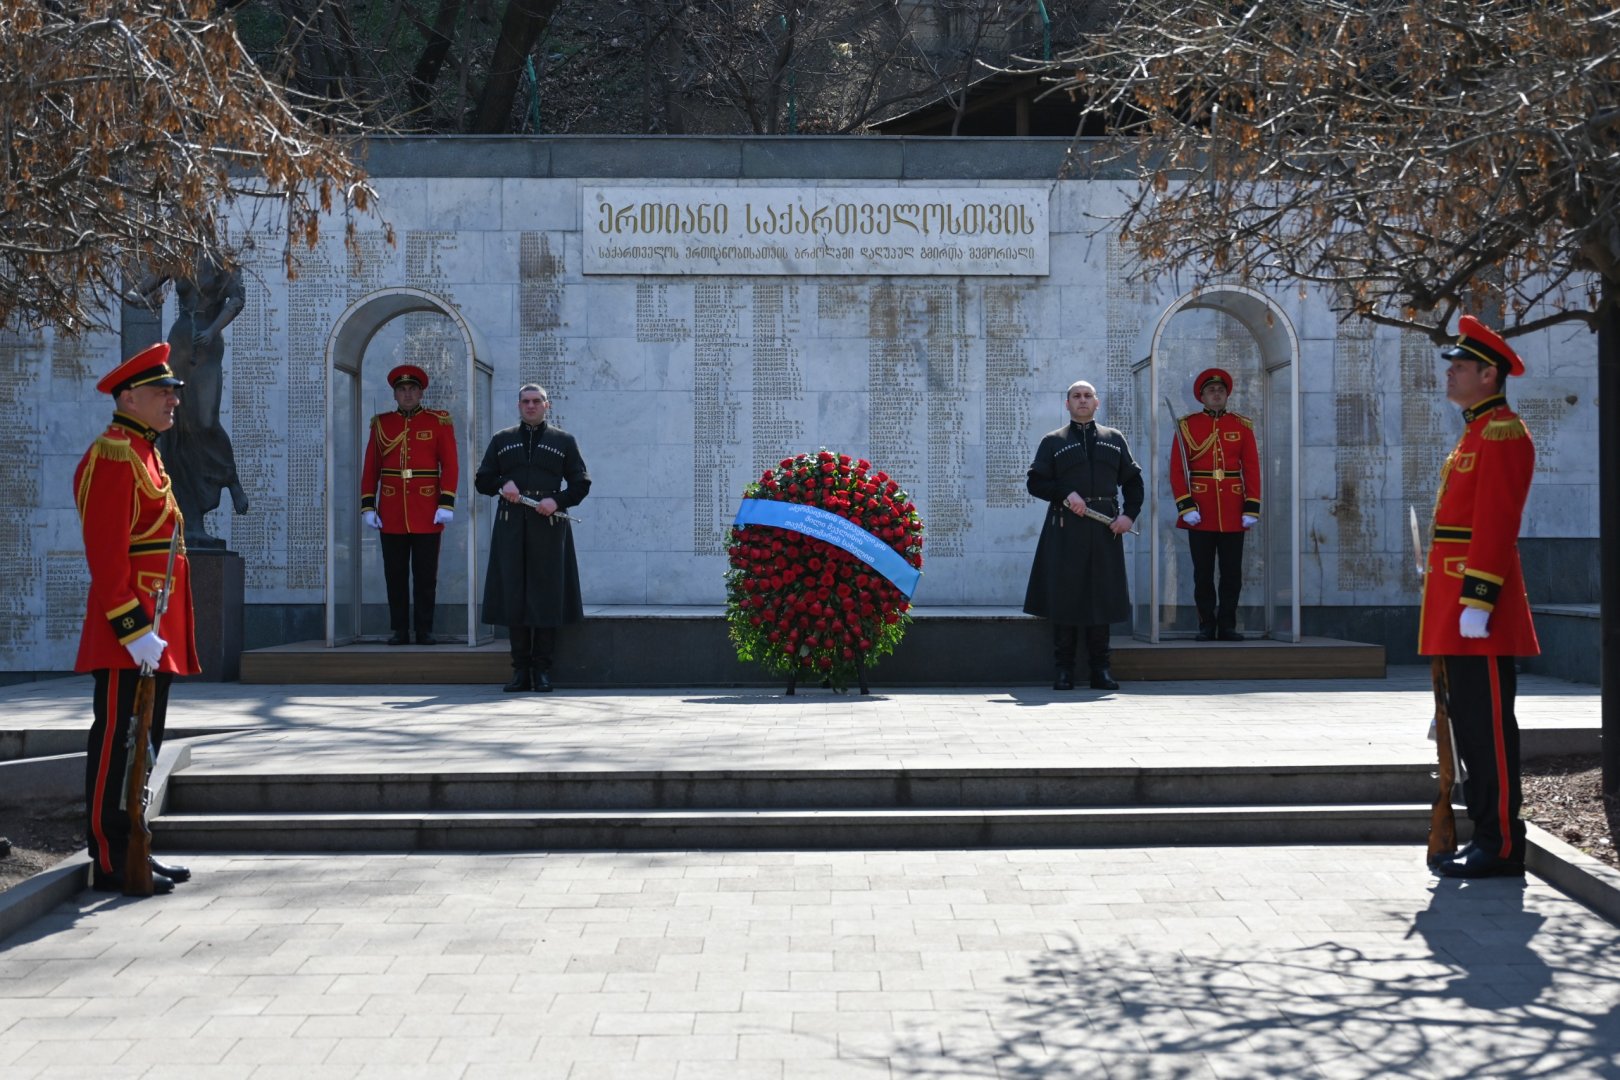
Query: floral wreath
x=798, y=605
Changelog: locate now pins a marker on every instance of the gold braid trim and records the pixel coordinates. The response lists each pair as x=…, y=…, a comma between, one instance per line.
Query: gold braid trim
x=1189, y=451
x=1504, y=430
x=120, y=450
x=385, y=445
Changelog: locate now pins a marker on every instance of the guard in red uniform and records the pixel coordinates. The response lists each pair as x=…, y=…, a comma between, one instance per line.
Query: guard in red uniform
x=127, y=509
x=408, y=493
x=1475, y=615
x=1215, y=477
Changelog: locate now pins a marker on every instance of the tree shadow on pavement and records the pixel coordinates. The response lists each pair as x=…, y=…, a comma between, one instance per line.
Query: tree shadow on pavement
x=1480, y=986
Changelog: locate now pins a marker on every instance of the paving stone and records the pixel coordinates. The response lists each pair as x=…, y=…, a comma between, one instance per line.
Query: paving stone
x=1238, y=961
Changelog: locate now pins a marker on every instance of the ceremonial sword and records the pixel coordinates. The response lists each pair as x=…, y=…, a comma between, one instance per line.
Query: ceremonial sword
x=558, y=514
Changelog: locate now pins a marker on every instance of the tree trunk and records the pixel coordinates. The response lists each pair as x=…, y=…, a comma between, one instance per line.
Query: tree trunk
x=521, y=27
x=1609, y=528
x=431, y=62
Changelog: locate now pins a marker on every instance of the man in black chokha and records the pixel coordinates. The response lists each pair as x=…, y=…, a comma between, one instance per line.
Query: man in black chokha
x=1079, y=574
x=533, y=582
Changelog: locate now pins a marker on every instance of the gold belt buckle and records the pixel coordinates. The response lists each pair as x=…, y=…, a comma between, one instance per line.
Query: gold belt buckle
x=405, y=474
x=1220, y=474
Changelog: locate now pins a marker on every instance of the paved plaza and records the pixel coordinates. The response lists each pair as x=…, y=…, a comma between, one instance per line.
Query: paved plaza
x=1341, y=961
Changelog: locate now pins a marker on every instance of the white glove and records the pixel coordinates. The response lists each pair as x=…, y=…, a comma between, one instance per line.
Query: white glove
x=147, y=650
x=443, y=516
x=370, y=518
x=1192, y=517
x=1473, y=623
x=1249, y=521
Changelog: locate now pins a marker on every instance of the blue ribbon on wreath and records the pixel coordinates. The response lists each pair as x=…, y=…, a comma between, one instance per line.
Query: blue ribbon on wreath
x=838, y=531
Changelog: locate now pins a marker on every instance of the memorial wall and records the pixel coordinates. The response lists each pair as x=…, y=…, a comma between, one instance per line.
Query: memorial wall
x=695, y=320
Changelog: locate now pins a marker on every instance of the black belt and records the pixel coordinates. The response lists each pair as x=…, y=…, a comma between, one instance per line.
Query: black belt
x=1218, y=474
x=1453, y=533
x=410, y=474
x=150, y=547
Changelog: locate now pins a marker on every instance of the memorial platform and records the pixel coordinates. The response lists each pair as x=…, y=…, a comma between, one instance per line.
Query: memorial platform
x=687, y=646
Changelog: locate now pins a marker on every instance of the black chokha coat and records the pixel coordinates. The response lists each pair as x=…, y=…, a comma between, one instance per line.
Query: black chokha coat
x=1079, y=572
x=533, y=577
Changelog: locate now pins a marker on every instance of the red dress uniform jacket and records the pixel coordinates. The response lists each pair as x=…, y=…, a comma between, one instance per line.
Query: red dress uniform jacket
x=1474, y=544
x=410, y=469
x=1224, y=460
x=128, y=513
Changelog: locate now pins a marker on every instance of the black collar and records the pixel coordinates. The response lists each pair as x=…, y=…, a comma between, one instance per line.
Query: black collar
x=1089, y=425
x=129, y=423
x=1476, y=411
x=1215, y=413
x=409, y=412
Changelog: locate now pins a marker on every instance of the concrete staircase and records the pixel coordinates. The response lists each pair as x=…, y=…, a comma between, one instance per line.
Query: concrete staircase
x=807, y=809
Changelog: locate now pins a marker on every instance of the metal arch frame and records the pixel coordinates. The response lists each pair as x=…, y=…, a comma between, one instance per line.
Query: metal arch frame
x=1278, y=342
x=345, y=349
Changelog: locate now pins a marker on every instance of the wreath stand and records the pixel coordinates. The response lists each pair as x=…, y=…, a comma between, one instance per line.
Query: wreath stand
x=860, y=675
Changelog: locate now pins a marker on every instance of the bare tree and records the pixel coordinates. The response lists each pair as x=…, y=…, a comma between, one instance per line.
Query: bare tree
x=521, y=27
x=128, y=124
x=1420, y=156
x=1417, y=157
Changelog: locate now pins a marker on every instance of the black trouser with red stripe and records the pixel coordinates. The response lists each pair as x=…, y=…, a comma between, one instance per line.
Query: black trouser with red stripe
x=1479, y=698
x=1218, y=609
x=107, y=756
x=411, y=559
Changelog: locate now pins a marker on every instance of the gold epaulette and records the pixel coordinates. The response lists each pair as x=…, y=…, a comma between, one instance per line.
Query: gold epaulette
x=442, y=414
x=1245, y=421
x=116, y=448
x=1505, y=430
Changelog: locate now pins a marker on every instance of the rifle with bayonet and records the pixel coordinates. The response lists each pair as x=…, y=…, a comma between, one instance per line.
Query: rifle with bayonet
x=138, y=752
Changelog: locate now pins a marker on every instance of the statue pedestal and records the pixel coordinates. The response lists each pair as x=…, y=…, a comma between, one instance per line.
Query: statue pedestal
x=217, y=578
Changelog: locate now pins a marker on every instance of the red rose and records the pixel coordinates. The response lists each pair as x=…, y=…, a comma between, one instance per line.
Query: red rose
x=891, y=618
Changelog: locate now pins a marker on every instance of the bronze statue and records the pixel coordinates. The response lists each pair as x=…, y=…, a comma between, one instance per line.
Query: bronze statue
x=197, y=449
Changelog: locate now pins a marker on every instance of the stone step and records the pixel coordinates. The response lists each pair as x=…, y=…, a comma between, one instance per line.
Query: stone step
x=804, y=829
x=1571, y=642
x=688, y=646
x=197, y=790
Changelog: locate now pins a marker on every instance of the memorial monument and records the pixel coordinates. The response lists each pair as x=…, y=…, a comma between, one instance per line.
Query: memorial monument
x=201, y=460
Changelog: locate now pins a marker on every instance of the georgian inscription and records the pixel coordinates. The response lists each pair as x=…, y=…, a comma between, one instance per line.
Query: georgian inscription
x=778, y=384
x=256, y=359
x=717, y=312
x=541, y=358
x=67, y=583
x=1008, y=378
x=808, y=230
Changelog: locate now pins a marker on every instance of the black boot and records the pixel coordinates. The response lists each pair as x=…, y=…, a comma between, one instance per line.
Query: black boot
x=521, y=681
x=172, y=872
x=1206, y=631
x=542, y=682
x=1064, y=680
x=1099, y=654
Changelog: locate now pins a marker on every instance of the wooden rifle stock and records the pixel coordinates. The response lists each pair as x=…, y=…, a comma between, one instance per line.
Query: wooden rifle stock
x=138, y=854
x=1442, y=821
